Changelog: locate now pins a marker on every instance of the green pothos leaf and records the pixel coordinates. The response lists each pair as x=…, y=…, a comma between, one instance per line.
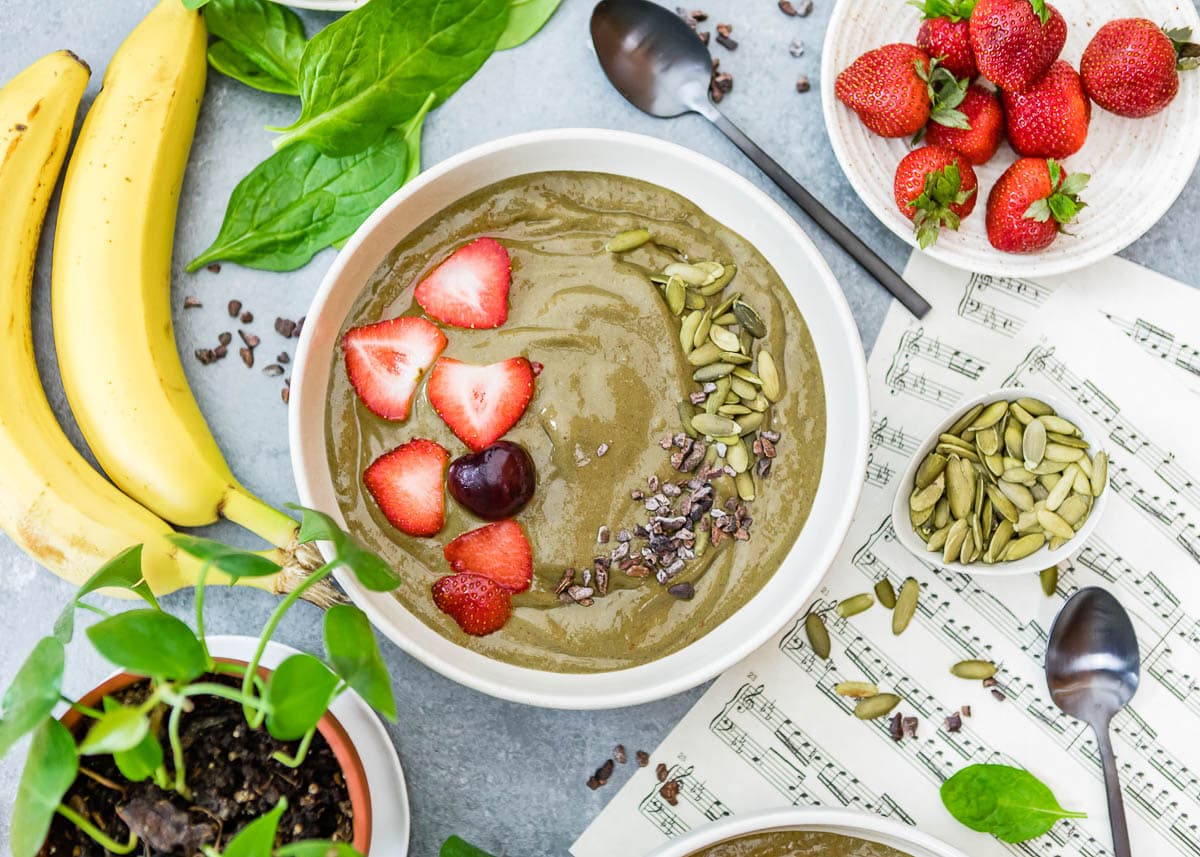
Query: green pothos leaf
x=49, y=771
x=33, y=693
x=457, y=847
x=257, y=839
x=525, y=18
x=354, y=653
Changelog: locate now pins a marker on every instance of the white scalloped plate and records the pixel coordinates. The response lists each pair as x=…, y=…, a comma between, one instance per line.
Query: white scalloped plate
x=1138, y=166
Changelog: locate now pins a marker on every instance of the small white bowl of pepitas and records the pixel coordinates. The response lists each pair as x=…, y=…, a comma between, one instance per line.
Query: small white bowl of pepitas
x=1013, y=482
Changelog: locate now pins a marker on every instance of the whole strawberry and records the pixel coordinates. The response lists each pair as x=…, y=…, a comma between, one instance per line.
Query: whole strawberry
x=946, y=34
x=985, y=118
x=1015, y=41
x=896, y=88
x=1131, y=67
x=1050, y=118
x=934, y=187
x=1031, y=203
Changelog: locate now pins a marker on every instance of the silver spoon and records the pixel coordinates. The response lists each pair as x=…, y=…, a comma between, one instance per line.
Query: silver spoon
x=1093, y=669
x=655, y=60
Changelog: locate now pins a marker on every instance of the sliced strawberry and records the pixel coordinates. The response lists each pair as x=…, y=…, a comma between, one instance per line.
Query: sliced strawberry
x=407, y=485
x=386, y=360
x=499, y=552
x=480, y=403
x=478, y=605
x=470, y=289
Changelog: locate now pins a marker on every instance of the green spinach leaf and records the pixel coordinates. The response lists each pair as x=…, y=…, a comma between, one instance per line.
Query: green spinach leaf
x=49, y=771
x=373, y=69
x=298, y=202
x=260, y=43
x=456, y=847
x=33, y=693
x=525, y=18
x=1011, y=804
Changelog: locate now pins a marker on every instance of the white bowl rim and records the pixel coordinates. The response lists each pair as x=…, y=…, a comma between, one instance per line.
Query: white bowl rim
x=845, y=821
x=1039, y=559
x=640, y=683
x=1004, y=262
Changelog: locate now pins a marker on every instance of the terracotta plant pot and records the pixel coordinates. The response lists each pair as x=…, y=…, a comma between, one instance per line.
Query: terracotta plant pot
x=331, y=730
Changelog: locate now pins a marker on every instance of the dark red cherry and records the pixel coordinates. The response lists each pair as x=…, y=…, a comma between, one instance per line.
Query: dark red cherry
x=494, y=483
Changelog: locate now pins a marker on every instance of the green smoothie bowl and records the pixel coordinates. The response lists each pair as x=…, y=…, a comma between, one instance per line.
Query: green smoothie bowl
x=601, y=403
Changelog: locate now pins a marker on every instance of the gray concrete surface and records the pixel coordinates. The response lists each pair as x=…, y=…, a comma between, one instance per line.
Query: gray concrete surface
x=510, y=777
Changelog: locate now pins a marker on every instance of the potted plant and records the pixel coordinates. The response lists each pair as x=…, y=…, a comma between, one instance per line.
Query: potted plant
x=183, y=752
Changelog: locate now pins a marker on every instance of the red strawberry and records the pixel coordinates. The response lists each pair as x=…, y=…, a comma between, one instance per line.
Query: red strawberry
x=479, y=606
x=384, y=362
x=480, y=403
x=470, y=289
x=980, y=141
x=946, y=34
x=407, y=485
x=888, y=89
x=1131, y=67
x=1050, y=118
x=1030, y=204
x=500, y=552
x=1015, y=41
x=935, y=187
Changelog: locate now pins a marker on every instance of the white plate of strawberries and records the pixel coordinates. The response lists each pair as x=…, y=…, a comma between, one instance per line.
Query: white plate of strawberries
x=1015, y=137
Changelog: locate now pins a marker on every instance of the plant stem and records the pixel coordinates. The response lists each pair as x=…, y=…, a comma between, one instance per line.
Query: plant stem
x=200, y=580
x=211, y=689
x=301, y=751
x=255, y=720
x=177, y=752
x=99, y=836
x=82, y=709
x=93, y=608
x=239, y=670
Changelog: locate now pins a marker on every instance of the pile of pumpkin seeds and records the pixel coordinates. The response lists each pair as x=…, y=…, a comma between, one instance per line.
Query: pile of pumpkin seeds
x=1004, y=480
x=737, y=382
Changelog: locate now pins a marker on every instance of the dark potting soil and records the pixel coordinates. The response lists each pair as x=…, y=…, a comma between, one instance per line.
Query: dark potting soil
x=233, y=780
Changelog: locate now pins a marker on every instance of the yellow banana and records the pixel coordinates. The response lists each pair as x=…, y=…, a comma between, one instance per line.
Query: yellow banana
x=111, y=286
x=52, y=503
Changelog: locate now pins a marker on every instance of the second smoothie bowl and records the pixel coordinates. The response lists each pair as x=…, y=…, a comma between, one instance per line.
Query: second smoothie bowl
x=601, y=403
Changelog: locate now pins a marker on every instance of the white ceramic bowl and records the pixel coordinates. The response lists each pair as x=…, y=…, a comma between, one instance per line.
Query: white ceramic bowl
x=740, y=206
x=872, y=828
x=1119, y=153
x=1036, y=561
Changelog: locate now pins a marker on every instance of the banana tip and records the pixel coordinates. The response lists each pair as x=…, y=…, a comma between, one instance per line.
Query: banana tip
x=79, y=60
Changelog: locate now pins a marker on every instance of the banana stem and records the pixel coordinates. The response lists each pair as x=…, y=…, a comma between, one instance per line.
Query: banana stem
x=265, y=521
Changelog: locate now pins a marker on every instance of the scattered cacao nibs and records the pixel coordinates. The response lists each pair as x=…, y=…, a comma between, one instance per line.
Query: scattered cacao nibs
x=619, y=754
x=579, y=594
x=624, y=536
x=282, y=357
x=593, y=783
x=220, y=351
x=235, y=308
x=683, y=591
x=896, y=726
x=699, y=15
x=725, y=29
x=796, y=48
x=225, y=338
x=285, y=327
x=274, y=370
x=704, y=36
x=568, y=577
x=990, y=682
x=285, y=394
x=251, y=339
x=636, y=494
x=802, y=84
x=804, y=8
x=205, y=355
x=536, y=367
x=602, y=450
x=247, y=317
x=697, y=398
x=215, y=268
x=643, y=758
x=726, y=42
x=603, y=534
x=909, y=725
x=772, y=436
x=787, y=8
x=602, y=581
x=670, y=792
x=966, y=711
x=723, y=82
x=661, y=772
x=604, y=771
x=299, y=327
x=998, y=694
x=638, y=571
x=247, y=357
x=192, y=302
x=954, y=722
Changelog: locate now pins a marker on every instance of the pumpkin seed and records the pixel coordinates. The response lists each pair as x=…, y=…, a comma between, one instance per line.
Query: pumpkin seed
x=976, y=670
x=960, y=486
x=1024, y=546
x=701, y=337
x=927, y=497
x=1033, y=444
x=1018, y=494
x=965, y=420
x=931, y=468
x=732, y=410
x=1073, y=509
x=712, y=371
x=876, y=706
x=988, y=441
x=856, y=689
x=738, y=457
x=719, y=284
x=759, y=404
x=855, y=604
x=999, y=541
x=728, y=319
x=769, y=375
x=748, y=376
x=693, y=275
x=989, y=416
x=954, y=541
x=1058, y=425
x=714, y=269
x=937, y=539
x=724, y=338
x=1027, y=522
x=702, y=541
x=687, y=330
x=1067, y=440
x=750, y=422
x=1061, y=452
x=818, y=635
x=941, y=513
x=906, y=605
x=1020, y=414
x=676, y=295
x=1054, y=524
x=717, y=397
x=714, y=425
x=744, y=389
x=735, y=357
x=744, y=483
x=704, y=354
x=630, y=239
x=886, y=593
x=1004, y=506
x=1056, y=542
x=954, y=449
x=750, y=320
x=691, y=300
x=955, y=440
x=1036, y=407
x=995, y=464
x=1061, y=489
x=723, y=306
x=1099, y=473
x=1012, y=438
x=1049, y=580
x=1019, y=475
x=685, y=418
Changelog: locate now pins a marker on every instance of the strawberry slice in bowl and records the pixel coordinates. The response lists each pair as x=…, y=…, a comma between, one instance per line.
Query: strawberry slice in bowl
x=407, y=484
x=480, y=403
x=477, y=604
x=470, y=288
x=386, y=360
x=500, y=552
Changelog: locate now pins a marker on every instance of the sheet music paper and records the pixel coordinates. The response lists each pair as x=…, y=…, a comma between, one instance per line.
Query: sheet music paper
x=1121, y=341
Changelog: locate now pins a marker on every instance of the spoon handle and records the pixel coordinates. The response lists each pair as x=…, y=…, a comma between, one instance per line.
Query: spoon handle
x=1116, y=803
x=823, y=217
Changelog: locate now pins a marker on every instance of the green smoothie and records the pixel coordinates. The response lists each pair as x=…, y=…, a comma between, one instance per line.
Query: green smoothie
x=796, y=843
x=613, y=379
